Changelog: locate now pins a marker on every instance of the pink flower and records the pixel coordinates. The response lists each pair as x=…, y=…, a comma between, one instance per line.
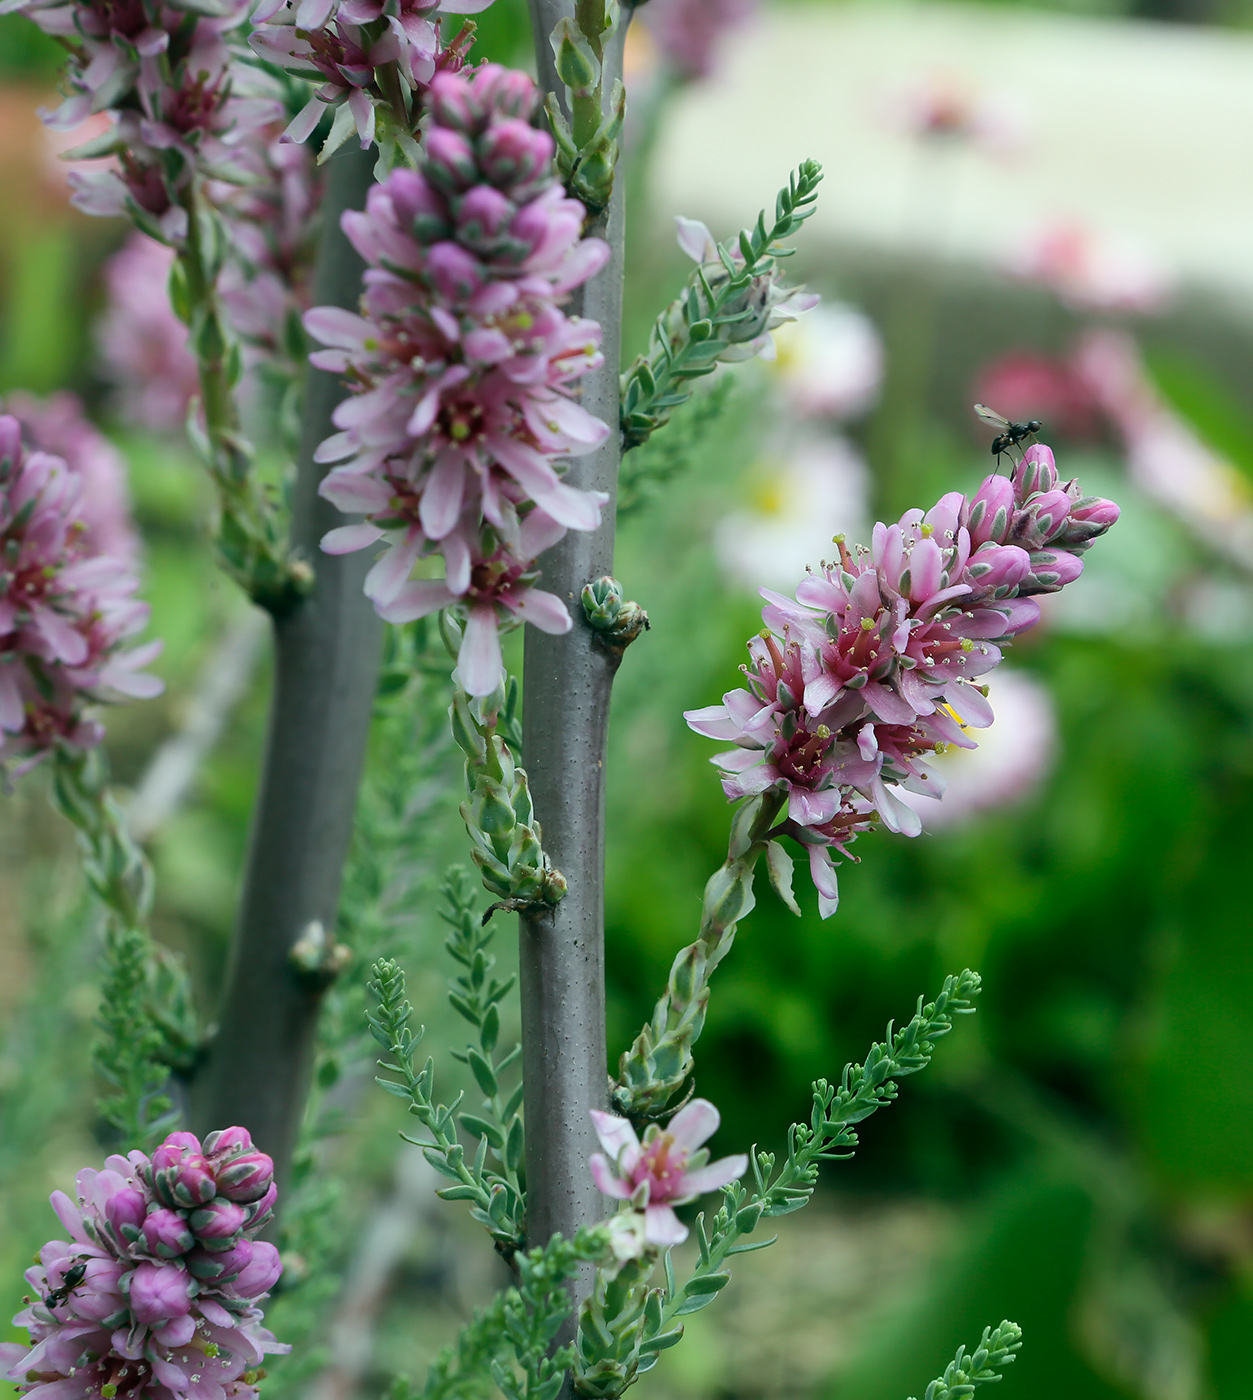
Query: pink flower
x=876, y=664
x=1090, y=271
x=112, y=1314
x=669, y=1168
x=65, y=611
x=142, y=345
x=59, y=426
x=465, y=369
x=689, y=32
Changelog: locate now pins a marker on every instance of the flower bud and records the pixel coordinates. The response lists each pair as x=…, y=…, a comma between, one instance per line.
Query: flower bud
x=217, y=1224
x=994, y=567
x=126, y=1208
x=990, y=511
x=260, y=1273
x=247, y=1177
x=455, y=273
x=166, y=1233
x=225, y=1143
x=180, y=1173
x=482, y=215
x=450, y=163
x=158, y=1293
x=513, y=153
x=454, y=103
x=222, y=1265
x=259, y=1211
x=1051, y=570
x=507, y=91
x=1036, y=472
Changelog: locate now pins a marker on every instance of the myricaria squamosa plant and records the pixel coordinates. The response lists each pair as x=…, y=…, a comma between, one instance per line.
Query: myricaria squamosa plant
x=449, y=235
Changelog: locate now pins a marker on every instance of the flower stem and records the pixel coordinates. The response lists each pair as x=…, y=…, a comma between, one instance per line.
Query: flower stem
x=327, y=656
x=654, y=1069
x=566, y=691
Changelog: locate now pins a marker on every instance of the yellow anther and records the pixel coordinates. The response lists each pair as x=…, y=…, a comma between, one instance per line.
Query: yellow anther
x=823, y=732
x=926, y=531
x=459, y=431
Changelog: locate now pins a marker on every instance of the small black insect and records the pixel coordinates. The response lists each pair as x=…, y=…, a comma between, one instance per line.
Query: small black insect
x=70, y=1280
x=1009, y=434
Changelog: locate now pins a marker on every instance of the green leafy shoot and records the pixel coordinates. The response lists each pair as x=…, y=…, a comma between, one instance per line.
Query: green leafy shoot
x=510, y=1342
x=128, y=1052
x=667, y=455
x=493, y=1202
x=726, y=305
x=997, y=1348
x=828, y=1136
x=477, y=996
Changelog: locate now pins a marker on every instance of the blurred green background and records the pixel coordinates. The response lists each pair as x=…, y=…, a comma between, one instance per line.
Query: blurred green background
x=1080, y=1157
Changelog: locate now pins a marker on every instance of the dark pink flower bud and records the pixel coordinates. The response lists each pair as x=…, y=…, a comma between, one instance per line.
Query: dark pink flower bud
x=1036, y=472
x=1095, y=510
x=181, y=1176
x=482, y=213
x=217, y=1224
x=261, y=1272
x=259, y=1211
x=453, y=102
x=512, y=152
x=508, y=92
x=159, y=1293
x=166, y=1233
x=454, y=272
x=220, y=1266
x=1051, y=570
x=996, y=567
x=246, y=1178
x=126, y=1207
x=226, y=1142
x=990, y=511
x=450, y=162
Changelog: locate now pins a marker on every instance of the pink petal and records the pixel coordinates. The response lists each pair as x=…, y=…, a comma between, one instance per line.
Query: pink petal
x=347, y=538
x=607, y=1182
x=614, y=1133
x=416, y=599
x=662, y=1227
x=694, y=1124
x=479, y=662
x=543, y=610
x=709, y=1178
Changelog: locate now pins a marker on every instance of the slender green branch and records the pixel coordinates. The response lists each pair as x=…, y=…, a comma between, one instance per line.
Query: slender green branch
x=729, y=303
x=828, y=1136
x=494, y=1202
x=997, y=1348
x=654, y=1069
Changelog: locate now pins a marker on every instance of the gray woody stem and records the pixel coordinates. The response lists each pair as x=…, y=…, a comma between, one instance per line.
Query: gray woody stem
x=565, y=715
x=327, y=650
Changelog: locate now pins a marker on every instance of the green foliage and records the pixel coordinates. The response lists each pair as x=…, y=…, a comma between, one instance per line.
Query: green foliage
x=996, y=1349
x=477, y=996
x=511, y=1341
x=128, y=1053
x=727, y=304
x=1219, y=417
x=26, y=52
x=494, y=1203
x=506, y=839
x=828, y=1136
x=662, y=457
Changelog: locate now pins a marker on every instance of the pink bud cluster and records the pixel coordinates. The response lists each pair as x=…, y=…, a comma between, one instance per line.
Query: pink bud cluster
x=463, y=363
x=66, y=609
x=359, y=52
x=157, y=1291
x=874, y=666
x=180, y=105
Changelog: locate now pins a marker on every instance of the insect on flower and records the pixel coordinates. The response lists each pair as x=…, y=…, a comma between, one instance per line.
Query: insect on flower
x=73, y=1276
x=1009, y=434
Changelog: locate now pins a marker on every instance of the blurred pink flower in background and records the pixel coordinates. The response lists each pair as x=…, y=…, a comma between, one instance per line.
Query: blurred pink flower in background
x=688, y=33
x=1015, y=754
x=948, y=108
x=1024, y=385
x=142, y=344
x=1165, y=457
x=830, y=364
x=1091, y=271
x=59, y=425
x=786, y=525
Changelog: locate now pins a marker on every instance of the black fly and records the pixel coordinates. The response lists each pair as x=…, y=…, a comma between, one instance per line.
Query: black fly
x=70, y=1280
x=1008, y=434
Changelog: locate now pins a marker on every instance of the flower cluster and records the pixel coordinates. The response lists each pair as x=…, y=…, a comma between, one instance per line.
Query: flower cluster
x=669, y=1168
x=462, y=364
x=66, y=609
x=875, y=664
x=157, y=1291
x=366, y=56
x=165, y=73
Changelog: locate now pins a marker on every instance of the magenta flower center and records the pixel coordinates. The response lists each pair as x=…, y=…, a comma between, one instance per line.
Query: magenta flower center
x=662, y=1164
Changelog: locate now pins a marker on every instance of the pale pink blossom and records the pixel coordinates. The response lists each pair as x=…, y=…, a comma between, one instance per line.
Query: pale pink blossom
x=1091, y=271
x=879, y=660
x=668, y=1168
x=690, y=33
x=830, y=364
x=946, y=108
